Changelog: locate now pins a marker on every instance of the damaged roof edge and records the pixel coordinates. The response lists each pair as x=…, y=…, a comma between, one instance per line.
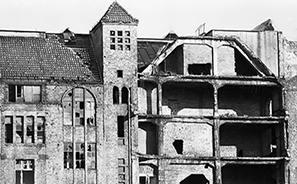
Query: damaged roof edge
x=259, y=65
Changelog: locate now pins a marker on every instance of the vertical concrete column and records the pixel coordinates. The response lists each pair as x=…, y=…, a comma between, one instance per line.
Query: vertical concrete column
x=214, y=59
x=160, y=137
x=159, y=87
x=216, y=136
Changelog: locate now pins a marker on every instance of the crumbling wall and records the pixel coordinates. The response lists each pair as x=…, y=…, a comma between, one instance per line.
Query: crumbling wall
x=196, y=54
x=196, y=139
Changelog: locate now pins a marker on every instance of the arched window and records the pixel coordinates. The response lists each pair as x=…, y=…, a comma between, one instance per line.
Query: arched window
x=115, y=95
x=79, y=118
x=125, y=95
x=79, y=108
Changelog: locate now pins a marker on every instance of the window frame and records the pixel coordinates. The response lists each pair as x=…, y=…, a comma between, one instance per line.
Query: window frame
x=16, y=93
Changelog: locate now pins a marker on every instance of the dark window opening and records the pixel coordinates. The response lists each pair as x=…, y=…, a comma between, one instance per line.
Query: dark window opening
x=120, y=73
x=40, y=130
x=121, y=127
x=19, y=129
x=24, y=172
x=115, y=94
x=199, y=69
x=142, y=180
x=195, y=179
x=178, y=145
x=125, y=95
x=120, y=33
x=242, y=66
x=8, y=129
x=112, y=33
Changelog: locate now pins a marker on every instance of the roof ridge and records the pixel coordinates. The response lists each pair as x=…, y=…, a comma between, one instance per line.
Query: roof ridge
x=116, y=13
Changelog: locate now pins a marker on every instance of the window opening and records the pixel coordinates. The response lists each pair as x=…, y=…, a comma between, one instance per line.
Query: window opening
x=199, y=69
x=120, y=73
x=30, y=129
x=79, y=106
x=68, y=155
x=115, y=94
x=142, y=180
x=79, y=155
x=121, y=129
x=125, y=95
x=24, y=172
x=91, y=155
x=19, y=93
x=121, y=170
x=8, y=129
x=178, y=145
x=40, y=129
x=120, y=41
x=19, y=129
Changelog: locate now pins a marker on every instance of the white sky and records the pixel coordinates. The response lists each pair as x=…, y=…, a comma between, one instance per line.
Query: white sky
x=157, y=17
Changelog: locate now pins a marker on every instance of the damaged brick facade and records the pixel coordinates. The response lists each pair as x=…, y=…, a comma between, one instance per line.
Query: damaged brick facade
x=108, y=107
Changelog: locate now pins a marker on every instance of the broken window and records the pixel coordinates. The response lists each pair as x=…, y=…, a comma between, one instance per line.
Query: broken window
x=40, y=129
x=68, y=155
x=125, y=95
x=91, y=156
x=19, y=123
x=199, y=69
x=115, y=95
x=29, y=129
x=121, y=170
x=20, y=93
x=120, y=40
x=178, y=145
x=24, y=171
x=8, y=129
x=79, y=155
x=79, y=103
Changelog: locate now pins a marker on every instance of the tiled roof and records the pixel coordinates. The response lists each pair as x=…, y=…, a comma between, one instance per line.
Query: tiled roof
x=116, y=13
x=42, y=58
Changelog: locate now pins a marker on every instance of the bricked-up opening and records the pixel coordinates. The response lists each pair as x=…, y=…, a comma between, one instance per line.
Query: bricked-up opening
x=178, y=145
x=24, y=171
x=199, y=69
x=243, y=66
x=115, y=95
x=20, y=93
x=125, y=95
x=195, y=179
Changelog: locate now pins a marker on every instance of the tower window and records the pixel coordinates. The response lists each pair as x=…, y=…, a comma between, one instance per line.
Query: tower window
x=115, y=95
x=125, y=95
x=120, y=73
x=120, y=40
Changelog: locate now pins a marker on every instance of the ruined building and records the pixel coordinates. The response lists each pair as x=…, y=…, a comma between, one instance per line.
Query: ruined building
x=108, y=107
